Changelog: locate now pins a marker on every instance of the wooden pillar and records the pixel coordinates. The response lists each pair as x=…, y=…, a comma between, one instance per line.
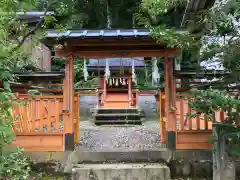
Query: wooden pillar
x=162, y=115
x=130, y=91
x=170, y=103
x=68, y=103
x=76, y=113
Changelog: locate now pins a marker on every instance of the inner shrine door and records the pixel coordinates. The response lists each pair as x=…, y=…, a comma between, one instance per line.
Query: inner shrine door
x=117, y=92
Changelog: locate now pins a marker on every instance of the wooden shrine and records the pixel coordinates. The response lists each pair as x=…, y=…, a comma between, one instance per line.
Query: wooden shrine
x=116, y=89
x=50, y=120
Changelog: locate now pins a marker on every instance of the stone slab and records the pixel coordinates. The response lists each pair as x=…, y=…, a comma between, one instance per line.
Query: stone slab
x=143, y=171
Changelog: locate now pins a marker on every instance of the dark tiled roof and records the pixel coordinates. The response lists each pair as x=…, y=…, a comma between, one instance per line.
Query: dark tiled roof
x=116, y=62
x=33, y=14
x=41, y=74
x=32, y=17
x=104, y=33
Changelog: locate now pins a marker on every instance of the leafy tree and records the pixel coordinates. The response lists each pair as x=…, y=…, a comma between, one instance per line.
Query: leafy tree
x=15, y=35
x=226, y=134
x=218, y=40
x=96, y=14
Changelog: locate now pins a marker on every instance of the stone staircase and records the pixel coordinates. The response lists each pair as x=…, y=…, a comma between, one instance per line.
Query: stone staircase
x=121, y=165
x=123, y=116
x=119, y=153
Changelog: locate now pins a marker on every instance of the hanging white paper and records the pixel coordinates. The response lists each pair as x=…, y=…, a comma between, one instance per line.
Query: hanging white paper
x=133, y=73
x=107, y=71
x=155, y=73
x=85, y=71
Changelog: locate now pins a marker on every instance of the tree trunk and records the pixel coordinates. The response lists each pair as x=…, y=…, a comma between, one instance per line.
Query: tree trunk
x=216, y=156
x=109, y=17
x=133, y=21
x=223, y=167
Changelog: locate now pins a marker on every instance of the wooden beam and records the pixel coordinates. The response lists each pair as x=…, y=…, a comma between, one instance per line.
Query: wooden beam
x=193, y=139
x=109, y=47
x=40, y=142
x=104, y=42
x=172, y=97
x=94, y=53
x=87, y=93
x=68, y=95
x=166, y=88
x=170, y=101
x=161, y=112
x=76, y=118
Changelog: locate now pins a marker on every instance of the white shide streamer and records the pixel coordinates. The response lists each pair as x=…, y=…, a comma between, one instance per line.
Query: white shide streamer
x=134, y=79
x=85, y=71
x=155, y=73
x=107, y=71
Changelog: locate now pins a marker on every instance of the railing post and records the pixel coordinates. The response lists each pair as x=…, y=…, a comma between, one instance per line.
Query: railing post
x=68, y=100
x=162, y=114
x=170, y=103
x=76, y=118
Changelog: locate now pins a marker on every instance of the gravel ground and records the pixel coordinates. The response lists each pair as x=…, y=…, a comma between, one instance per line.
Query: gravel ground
x=116, y=138
x=119, y=138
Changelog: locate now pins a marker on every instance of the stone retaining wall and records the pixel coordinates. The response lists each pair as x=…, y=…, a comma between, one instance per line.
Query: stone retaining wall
x=188, y=163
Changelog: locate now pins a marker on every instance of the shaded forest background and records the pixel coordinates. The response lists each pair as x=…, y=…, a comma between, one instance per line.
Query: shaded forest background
x=115, y=14
x=98, y=14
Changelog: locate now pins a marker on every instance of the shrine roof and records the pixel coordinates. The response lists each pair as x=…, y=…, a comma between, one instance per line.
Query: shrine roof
x=33, y=16
x=43, y=75
x=117, y=62
x=100, y=33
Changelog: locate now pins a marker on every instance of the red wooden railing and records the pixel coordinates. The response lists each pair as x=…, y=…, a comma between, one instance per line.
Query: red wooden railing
x=38, y=113
x=191, y=133
x=198, y=123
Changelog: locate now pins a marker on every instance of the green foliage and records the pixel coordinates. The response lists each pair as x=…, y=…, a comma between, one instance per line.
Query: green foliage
x=79, y=82
x=223, y=23
x=94, y=14
x=163, y=18
x=14, y=165
x=157, y=8
x=17, y=39
x=172, y=39
x=154, y=13
x=208, y=102
x=57, y=64
x=211, y=100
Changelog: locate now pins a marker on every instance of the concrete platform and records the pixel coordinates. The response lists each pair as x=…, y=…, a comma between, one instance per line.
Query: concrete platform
x=143, y=171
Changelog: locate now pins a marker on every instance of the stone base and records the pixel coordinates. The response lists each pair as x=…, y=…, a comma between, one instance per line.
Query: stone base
x=143, y=171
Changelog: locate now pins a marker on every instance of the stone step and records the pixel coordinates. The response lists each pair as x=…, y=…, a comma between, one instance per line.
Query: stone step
x=116, y=111
x=118, y=117
x=161, y=155
x=118, y=122
x=139, y=171
x=118, y=114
